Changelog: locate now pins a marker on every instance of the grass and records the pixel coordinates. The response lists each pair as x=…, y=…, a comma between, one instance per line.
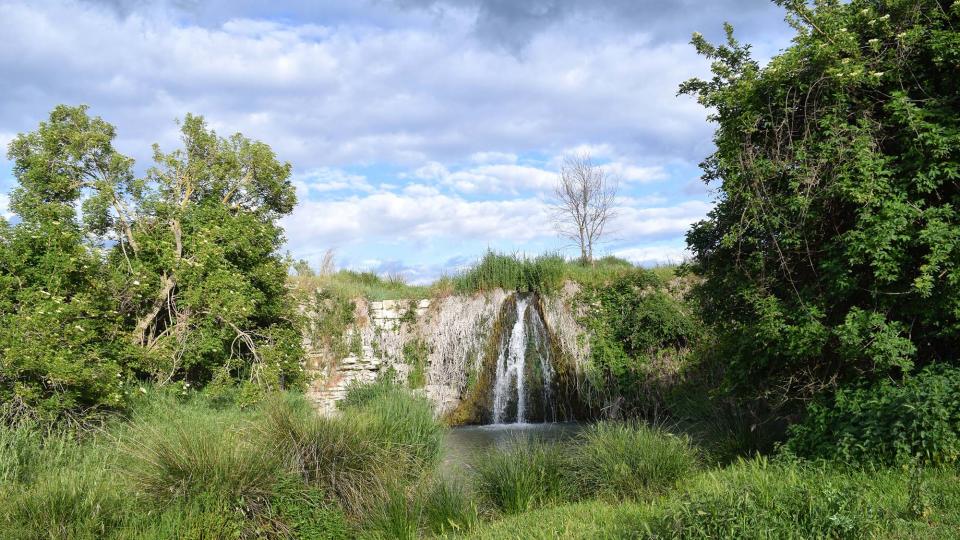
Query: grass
x=190, y=469
x=542, y=274
x=526, y=475
x=629, y=460
x=758, y=499
x=350, y=285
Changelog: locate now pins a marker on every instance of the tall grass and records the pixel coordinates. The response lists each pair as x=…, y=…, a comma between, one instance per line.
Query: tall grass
x=351, y=285
x=542, y=274
x=525, y=475
x=629, y=460
x=195, y=452
x=385, y=436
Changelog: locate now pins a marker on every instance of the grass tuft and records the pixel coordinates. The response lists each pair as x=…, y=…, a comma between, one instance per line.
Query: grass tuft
x=629, y=460
x=527, y=474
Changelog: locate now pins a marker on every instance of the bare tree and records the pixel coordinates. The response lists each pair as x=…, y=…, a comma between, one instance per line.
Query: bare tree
x=585, y=197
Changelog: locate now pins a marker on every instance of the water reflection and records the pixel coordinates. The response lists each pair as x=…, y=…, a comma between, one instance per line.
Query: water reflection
x=462, y=444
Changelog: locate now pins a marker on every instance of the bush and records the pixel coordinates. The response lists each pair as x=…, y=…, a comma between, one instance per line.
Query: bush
x=629, y=460
x=192, y=452
x=525, y=475
x=385, y=437
x=542, y=274
x=917, y=421
x=638, y=331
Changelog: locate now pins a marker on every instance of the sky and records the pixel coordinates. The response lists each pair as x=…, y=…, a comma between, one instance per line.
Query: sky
x=421, y=132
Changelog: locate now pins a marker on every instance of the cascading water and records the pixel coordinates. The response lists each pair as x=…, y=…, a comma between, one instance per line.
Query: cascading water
x=528, y=338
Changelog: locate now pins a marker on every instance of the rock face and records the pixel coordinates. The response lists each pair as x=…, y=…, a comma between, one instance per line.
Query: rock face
x=437, y=345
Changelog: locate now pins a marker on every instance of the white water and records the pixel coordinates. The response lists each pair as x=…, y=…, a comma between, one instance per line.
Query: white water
x=528, y=334
x=546, y=367
x=510, y=369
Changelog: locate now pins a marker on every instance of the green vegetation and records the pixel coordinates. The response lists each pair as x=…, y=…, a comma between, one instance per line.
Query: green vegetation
x=759, y=499
x=415, y=355
x=184, y=467
x=172, y=277
x=350, y=285
x=831, y=255
x=801, y=368
x=542, y=274
x=639, y=331
x=915, y=422
x=527, y=475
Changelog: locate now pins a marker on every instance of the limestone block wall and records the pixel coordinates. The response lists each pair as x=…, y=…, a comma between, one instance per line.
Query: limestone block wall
x=453, y=330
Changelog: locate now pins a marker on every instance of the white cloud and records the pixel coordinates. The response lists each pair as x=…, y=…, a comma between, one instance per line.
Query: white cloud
x=5, y=207
x=651, y=255
x=341, y=94
x=487, y=158
x=633, y=222
x=326, y=179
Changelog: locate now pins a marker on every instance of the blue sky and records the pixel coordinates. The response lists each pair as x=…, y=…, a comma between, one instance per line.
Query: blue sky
x=421, y=132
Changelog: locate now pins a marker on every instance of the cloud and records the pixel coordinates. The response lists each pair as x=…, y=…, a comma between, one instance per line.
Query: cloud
x=408, y=122
x=327, y=179
x=653, y=255
x=638, y=222
x=5, y=207
x=339, y=94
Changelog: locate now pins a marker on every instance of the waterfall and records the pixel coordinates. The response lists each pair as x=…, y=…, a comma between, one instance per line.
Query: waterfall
x=528, y=337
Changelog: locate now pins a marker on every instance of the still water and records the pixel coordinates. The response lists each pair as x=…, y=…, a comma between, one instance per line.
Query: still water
x=463, y=444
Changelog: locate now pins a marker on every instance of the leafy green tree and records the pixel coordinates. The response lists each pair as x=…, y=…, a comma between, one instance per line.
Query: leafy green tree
x=199, y=265
x=108, y=278
x=62, y=345
x=832, y=254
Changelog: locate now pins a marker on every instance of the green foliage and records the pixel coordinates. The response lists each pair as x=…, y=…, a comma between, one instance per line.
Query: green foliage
x=445, y=506
x=915, y=421
x=351, y=285
x=758, y=500
x=632, y=320
x=199, y=454
x=525, y=475
x=415, y=355
x=831, y=254
x=629, y=460
x=170, y=277
x=542, y=274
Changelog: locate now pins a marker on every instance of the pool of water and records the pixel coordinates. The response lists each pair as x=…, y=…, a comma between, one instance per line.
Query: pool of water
x=462, y=444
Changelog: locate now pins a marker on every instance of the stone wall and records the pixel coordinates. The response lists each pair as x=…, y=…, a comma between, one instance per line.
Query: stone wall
x=454, y=330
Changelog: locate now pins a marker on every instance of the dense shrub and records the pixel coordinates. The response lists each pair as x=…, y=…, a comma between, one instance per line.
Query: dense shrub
x=633, y=320
x=916, y=421
x=759, y=500
x=831, y=255
x=197, y=453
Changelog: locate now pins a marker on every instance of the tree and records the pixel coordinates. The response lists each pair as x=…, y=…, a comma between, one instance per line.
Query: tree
x=62, y=342
x=585, y=197
x=832, y=254
x=174, y=276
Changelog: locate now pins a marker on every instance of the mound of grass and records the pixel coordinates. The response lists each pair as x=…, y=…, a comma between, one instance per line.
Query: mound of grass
x=629, y=460
x=542, y=274
x=527, y=474
x=190, y=453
